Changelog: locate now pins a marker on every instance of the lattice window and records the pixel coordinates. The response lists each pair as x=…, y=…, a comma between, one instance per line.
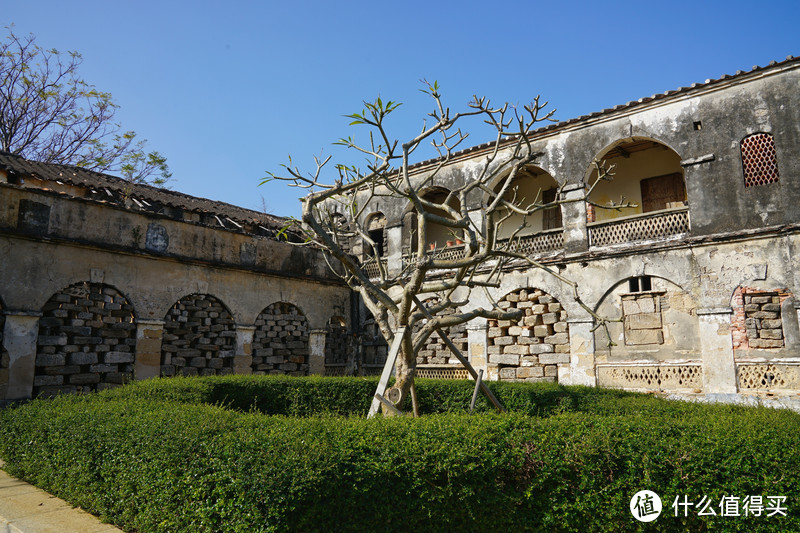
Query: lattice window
x=759, y=162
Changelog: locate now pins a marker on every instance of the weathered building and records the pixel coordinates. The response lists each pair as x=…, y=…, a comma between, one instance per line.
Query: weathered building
x=702, y=271
x=102, y=281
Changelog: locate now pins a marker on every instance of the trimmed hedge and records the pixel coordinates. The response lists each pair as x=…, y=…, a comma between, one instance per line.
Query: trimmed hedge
x=158, y=457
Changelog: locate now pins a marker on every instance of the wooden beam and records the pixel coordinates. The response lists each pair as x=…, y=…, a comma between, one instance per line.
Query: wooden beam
x=391, y=357
x=463, y=360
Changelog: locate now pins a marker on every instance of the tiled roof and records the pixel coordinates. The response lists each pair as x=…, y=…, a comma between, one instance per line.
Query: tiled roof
x=681, y=90
x=140, y=197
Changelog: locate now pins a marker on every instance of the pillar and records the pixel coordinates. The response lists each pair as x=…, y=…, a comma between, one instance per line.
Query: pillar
x=573, y=215
x=19, y=337
x=149, y=334
x=477, y=339
x=394, y=249
x=316, y=351
x=243, y=357
x=581, y=369
x=716, y=348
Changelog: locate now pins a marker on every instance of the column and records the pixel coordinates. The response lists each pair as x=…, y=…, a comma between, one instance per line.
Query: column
x=394, y=250
x=477, y=339
x=149, y=334
x=581, y=369
x=716, y=347
x=573, y=215
x=316, y=351
x=19, y=337
x=243, y=358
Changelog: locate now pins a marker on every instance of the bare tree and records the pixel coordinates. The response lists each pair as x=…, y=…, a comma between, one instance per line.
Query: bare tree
x=48, y=113
x=333, y=218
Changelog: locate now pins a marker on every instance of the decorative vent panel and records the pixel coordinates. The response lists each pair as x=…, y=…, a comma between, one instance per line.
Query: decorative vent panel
x=656, y=378
x=766, y=376
x=645, y=227
x=759, y=162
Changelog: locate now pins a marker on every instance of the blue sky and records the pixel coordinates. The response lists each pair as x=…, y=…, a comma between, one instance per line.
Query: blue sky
x=227, y=90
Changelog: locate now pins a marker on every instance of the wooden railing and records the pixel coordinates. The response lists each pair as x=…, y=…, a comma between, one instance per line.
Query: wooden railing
x=649, y=226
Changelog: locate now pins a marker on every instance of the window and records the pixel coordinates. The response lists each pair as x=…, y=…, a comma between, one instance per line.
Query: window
x=551, y=217
x=662, y=192
x=759, y=162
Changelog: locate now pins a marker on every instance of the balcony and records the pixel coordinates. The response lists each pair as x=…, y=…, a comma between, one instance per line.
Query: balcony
x=539, y=243
x=655, y=225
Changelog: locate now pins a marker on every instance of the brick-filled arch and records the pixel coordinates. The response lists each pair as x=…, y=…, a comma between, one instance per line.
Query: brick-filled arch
x=86, y=341
x=529, y=349
x=199, y=338
x=435, y=351
x=337, y=341
x=280, y=341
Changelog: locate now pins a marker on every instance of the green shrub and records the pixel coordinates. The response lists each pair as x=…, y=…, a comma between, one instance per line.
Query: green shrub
x=160, y=456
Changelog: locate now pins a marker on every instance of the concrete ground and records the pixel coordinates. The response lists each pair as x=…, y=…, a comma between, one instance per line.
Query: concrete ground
x=26, y=509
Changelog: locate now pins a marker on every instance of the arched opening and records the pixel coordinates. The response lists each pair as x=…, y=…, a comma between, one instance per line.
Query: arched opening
x=199, y=338
x=646, y=191
x=437, y=236
x=86, y=341
x=337, y=347
x=531, y=186
x=531, y=348
x=376, y=227
x=280, y=341
x=646, y=173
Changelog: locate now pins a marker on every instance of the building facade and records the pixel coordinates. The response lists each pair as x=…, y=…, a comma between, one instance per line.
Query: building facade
x=700, y=275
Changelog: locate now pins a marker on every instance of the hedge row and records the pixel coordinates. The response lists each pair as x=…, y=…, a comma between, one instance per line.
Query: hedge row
x=151, y=464
x=282, y=395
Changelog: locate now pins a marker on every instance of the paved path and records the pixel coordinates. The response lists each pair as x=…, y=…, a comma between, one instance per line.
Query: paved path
x=26, y=509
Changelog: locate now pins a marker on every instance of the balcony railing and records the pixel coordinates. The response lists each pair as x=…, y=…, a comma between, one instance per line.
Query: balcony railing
x=539, y=243
x=649, y=226
x=371, y=267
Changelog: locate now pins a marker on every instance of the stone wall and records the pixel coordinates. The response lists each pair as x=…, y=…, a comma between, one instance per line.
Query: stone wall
x=529, y=349
x=757, y=321
x=436, y=351
x=337, y=342
x=280, y=341
x=86, y=342
x=199, y=338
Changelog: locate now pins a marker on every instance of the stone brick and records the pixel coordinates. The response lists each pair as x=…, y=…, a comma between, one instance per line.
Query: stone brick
x=507, y=373
x=771, y=307
x=759, y=299
x=558, y=338
x=516, y=349
x=766, y=343
x=542, y=331
x=554, y=307
x=502, y=341
x=84, y=379
x=540, y=348
x=562, y=348
x=83, y=358
x=769, y=324
x=103, y=368
x=59, y=340
x=118, y=357
x=529, y=360
x=529, y=372
x=551, y=371
x=553, y=359
x=50, y=359
x=40, y=381
x=504, y=359
x=765, y=314
x=550, y=318
x=771, y=334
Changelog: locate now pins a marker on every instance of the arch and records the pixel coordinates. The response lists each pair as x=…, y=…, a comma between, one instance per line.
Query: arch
x=437, y=235
x=337, y=341
x=280, y=341
x=376, y=229
x=86, y=340
x=529, y=349
x=657, y=321
x=532, y=185
x=646, y=172
x=199, y=337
